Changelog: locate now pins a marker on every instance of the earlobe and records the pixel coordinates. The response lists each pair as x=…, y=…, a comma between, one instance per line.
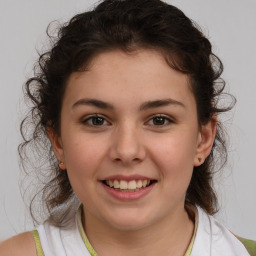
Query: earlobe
x=57, y=146
x=205, y=141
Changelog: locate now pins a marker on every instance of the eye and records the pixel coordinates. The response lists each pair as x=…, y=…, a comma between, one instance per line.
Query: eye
x=160, y=120
x=95, y=120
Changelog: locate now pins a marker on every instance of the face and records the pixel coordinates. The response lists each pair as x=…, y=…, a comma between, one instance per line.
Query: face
x=129, y=138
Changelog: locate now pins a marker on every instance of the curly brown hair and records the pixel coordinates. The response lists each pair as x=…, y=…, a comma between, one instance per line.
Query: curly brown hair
x=126, y=25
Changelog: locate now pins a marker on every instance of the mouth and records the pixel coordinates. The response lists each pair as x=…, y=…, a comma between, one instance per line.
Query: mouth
x=129, y=186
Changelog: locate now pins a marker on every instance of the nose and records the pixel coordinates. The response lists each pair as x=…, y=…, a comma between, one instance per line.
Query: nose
x=127, y=146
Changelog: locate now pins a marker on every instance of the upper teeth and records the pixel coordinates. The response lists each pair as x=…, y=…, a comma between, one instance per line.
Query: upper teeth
x=132, y=184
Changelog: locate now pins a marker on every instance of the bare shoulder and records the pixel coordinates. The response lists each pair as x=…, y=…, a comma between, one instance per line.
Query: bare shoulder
x=22, y=244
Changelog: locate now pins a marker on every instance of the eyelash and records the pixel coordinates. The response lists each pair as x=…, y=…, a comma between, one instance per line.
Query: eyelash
x=91, y=117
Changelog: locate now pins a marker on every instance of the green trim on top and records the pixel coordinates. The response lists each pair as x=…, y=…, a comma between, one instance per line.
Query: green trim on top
x=83, y=235
x=39, y=250
x=190, y=247
x=250, y=245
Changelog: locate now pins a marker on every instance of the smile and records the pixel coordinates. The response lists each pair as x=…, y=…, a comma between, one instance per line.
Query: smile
x=128, y=186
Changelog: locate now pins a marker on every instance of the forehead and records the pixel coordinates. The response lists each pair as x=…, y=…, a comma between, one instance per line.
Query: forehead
x=138, y=76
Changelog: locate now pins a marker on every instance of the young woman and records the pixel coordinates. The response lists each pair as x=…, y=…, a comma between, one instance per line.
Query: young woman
x=126, y=113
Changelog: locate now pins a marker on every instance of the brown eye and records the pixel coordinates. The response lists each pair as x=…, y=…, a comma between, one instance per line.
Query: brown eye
x=95, y=121
x=160, y=121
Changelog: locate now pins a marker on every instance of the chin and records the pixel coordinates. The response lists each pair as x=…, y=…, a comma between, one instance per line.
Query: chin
x=129, y=222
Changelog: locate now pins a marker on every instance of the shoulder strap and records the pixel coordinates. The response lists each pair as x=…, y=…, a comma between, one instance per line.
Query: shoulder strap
x=39, y=249
x=250, y=245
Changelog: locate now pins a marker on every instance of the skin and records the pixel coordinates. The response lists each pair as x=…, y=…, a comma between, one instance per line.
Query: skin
x=22, y=245
x=128, y=141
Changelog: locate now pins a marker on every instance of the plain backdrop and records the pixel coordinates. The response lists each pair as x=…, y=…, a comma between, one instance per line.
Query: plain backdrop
x=231, y=27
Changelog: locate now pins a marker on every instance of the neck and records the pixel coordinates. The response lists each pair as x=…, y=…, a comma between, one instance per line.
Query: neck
x=169, y=236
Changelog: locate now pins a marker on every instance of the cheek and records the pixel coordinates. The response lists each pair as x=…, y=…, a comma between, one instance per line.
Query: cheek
x=174, y=158
x=176, y=150
x=82, y=156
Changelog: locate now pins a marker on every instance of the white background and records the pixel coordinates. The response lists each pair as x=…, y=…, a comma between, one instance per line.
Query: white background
x=230, y=25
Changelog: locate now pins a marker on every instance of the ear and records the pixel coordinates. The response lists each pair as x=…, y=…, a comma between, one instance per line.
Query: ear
x=205, y=141
x=57, y=147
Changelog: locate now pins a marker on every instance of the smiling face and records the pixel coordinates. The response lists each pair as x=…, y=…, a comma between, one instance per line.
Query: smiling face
x=128, y=122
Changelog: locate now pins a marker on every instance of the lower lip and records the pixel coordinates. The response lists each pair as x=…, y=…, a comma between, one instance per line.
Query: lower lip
x=127, y=196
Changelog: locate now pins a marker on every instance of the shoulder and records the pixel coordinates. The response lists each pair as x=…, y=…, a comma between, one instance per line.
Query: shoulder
x=250, y=245
x=22, y=245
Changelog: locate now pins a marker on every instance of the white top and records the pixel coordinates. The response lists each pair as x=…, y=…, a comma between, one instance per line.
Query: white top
x=62, y=242
x=212, y=239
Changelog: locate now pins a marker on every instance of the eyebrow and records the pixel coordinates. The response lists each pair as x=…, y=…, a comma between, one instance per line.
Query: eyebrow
x=145, y=106
x=160, y=103
x=93, y=102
